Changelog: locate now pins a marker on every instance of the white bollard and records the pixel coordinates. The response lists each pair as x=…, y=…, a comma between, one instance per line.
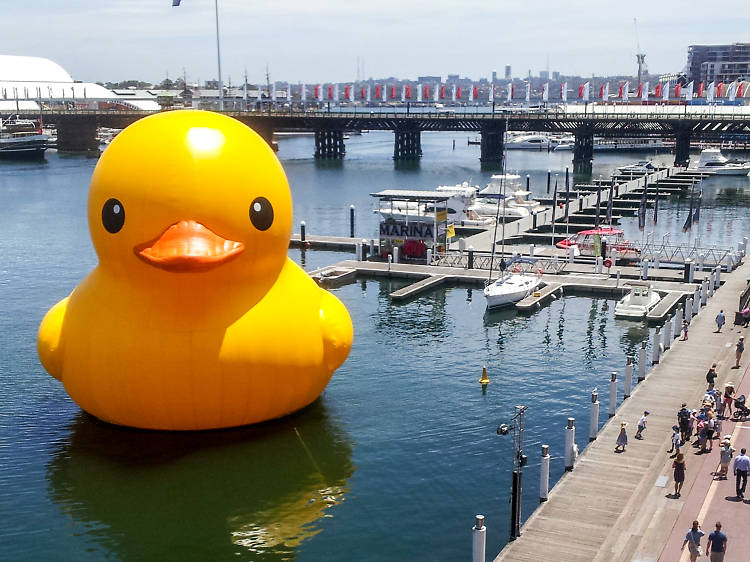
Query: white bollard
x=358, y=251
x=642, y=362
x=678, y=318
x=461, y=245
x=617, y=278
x=429, y=256
x=531, y=250
x=372, y=246
x=691, y=278
x=478, y=540
x=570, y=443
x=668, y=331
x=688, y=310
x=544, y=475
x=571, y=254
x=730, y=262
x=612, y=394
x=594, y=419
x=701, y=261
x=599, y=264
x=628, y=377
x=744, y=245
x=739, y=248
x=718, y=277
x=395, y=254
x=390, y=260
x=657, y=262
x=704, y=292
x=696, y=301
x=711, y=283
x=555, y=261
x=655, y=348
x=644, y=269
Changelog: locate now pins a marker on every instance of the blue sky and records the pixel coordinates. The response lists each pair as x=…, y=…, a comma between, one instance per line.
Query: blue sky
x=319, y=41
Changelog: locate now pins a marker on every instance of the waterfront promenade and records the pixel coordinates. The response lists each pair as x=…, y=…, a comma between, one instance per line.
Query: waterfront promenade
x=616, y=507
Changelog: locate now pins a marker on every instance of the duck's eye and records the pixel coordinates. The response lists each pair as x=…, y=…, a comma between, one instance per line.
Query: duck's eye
x=261, y=213
x=113, y=215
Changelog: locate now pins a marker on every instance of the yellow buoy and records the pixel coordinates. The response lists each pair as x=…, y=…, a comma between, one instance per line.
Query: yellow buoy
x=485, y=379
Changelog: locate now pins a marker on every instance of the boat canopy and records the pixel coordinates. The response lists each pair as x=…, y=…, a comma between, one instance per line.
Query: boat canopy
x=411, y=195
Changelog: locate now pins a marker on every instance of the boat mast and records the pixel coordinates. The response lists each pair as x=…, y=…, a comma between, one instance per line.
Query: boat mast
x=497, y=213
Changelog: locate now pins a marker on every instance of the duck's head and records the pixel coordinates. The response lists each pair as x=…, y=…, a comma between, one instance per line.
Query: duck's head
x=190, y=195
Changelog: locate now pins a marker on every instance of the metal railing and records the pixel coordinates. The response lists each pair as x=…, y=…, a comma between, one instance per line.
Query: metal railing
x=483, y=261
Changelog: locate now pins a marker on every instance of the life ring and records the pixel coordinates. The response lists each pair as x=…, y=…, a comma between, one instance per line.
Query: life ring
x=516, y=269
x=608, y=263
x=540, y=271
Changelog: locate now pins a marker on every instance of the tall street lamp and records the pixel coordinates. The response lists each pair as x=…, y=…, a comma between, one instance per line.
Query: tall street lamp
x=218, y=51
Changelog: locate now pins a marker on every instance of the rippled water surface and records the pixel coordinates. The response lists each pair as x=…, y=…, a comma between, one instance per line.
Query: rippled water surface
x=396, y=458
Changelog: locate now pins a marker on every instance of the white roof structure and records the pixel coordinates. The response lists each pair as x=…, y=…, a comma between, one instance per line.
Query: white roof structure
x=34, y=79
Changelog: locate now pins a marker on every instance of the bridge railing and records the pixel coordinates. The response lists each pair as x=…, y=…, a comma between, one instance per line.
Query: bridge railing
x=442, y=114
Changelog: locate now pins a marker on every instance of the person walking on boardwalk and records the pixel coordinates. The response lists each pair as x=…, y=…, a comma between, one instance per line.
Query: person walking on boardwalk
x=739, y=348
x=693, y=540
x=725, y=456
x=676, y=440
x=745, y=316
x=683, y=419
x=679, y=465
x=711, y=376
x=717, y=544
x=740, y=469
x=728, y=399
x=622, y=438
x=720, y=321
x=684, y=330
x=641, y=425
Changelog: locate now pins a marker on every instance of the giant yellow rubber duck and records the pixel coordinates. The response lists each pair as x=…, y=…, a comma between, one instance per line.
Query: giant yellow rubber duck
x=194, y=318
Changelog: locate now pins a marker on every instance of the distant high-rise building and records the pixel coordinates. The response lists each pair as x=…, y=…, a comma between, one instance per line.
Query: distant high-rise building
x=507, y=71
x=452, y=78
x=718, y=63
x=555, y=75
x=429, y=79
x=544, y=75
x=494, y=76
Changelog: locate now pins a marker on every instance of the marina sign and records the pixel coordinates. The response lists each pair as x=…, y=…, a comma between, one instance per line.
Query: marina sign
x=401, y=230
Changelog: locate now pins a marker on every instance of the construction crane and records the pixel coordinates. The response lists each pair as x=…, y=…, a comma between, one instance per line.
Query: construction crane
x=639, y=56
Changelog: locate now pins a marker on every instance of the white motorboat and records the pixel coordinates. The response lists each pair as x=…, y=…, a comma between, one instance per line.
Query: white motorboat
x=533, y=141
x=513, y=286
x=517, y=206
x=712, y=160
x=638, y=302
x=642, y=166
x=458, y=206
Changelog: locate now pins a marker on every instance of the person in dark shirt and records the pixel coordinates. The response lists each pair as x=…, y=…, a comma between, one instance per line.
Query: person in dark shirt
x=717, y=544
x=711, y=375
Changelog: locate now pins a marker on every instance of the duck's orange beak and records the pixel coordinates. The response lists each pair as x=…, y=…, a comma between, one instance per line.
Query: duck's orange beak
x=188, y=246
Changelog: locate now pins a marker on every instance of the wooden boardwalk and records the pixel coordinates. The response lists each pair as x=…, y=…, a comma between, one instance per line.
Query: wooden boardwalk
x=612, y=507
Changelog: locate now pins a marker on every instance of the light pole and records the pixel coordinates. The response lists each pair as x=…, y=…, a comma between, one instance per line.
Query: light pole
x=218, y=57
x=519, y=460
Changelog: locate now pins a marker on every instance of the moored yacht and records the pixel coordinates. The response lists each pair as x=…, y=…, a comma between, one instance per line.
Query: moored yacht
x=712, y=160
x=514, y=284
x=638, y=302
x=21, y=138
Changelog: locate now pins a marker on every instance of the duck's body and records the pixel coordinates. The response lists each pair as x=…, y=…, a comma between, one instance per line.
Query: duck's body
x=169, y=347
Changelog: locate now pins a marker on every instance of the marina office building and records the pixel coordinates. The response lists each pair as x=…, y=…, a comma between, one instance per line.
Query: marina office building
x=718, y=63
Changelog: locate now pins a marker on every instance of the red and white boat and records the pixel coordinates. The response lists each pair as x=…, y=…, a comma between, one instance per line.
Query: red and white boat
x=589, y=243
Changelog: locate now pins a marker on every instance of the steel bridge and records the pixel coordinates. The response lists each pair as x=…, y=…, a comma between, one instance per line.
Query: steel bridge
x=77, y=128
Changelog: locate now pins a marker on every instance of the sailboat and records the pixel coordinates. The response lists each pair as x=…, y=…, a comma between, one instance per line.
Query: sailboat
x=514, y=283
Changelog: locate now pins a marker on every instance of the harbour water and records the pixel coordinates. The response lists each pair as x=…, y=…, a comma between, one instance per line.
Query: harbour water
x=395, y=459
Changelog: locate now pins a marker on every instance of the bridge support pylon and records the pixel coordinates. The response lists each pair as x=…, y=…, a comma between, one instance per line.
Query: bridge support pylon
x=492, y=146
x=329, y=144
x=77, y=134
x=682, y=147
x=583, y=153
x=407, y=144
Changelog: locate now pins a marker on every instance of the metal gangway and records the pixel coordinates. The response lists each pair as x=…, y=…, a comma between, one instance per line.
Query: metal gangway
x=663, y=252
x=477, y=260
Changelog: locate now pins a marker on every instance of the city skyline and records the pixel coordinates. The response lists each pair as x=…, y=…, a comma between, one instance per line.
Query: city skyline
x=319, y=42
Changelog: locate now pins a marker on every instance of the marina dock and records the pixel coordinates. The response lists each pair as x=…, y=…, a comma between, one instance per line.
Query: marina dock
x=612, y=507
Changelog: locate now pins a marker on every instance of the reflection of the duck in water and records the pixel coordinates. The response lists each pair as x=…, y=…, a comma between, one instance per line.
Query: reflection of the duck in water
x=250, y=493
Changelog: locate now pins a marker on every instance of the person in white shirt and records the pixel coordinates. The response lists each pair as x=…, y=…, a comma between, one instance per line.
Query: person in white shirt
x=641, y=425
